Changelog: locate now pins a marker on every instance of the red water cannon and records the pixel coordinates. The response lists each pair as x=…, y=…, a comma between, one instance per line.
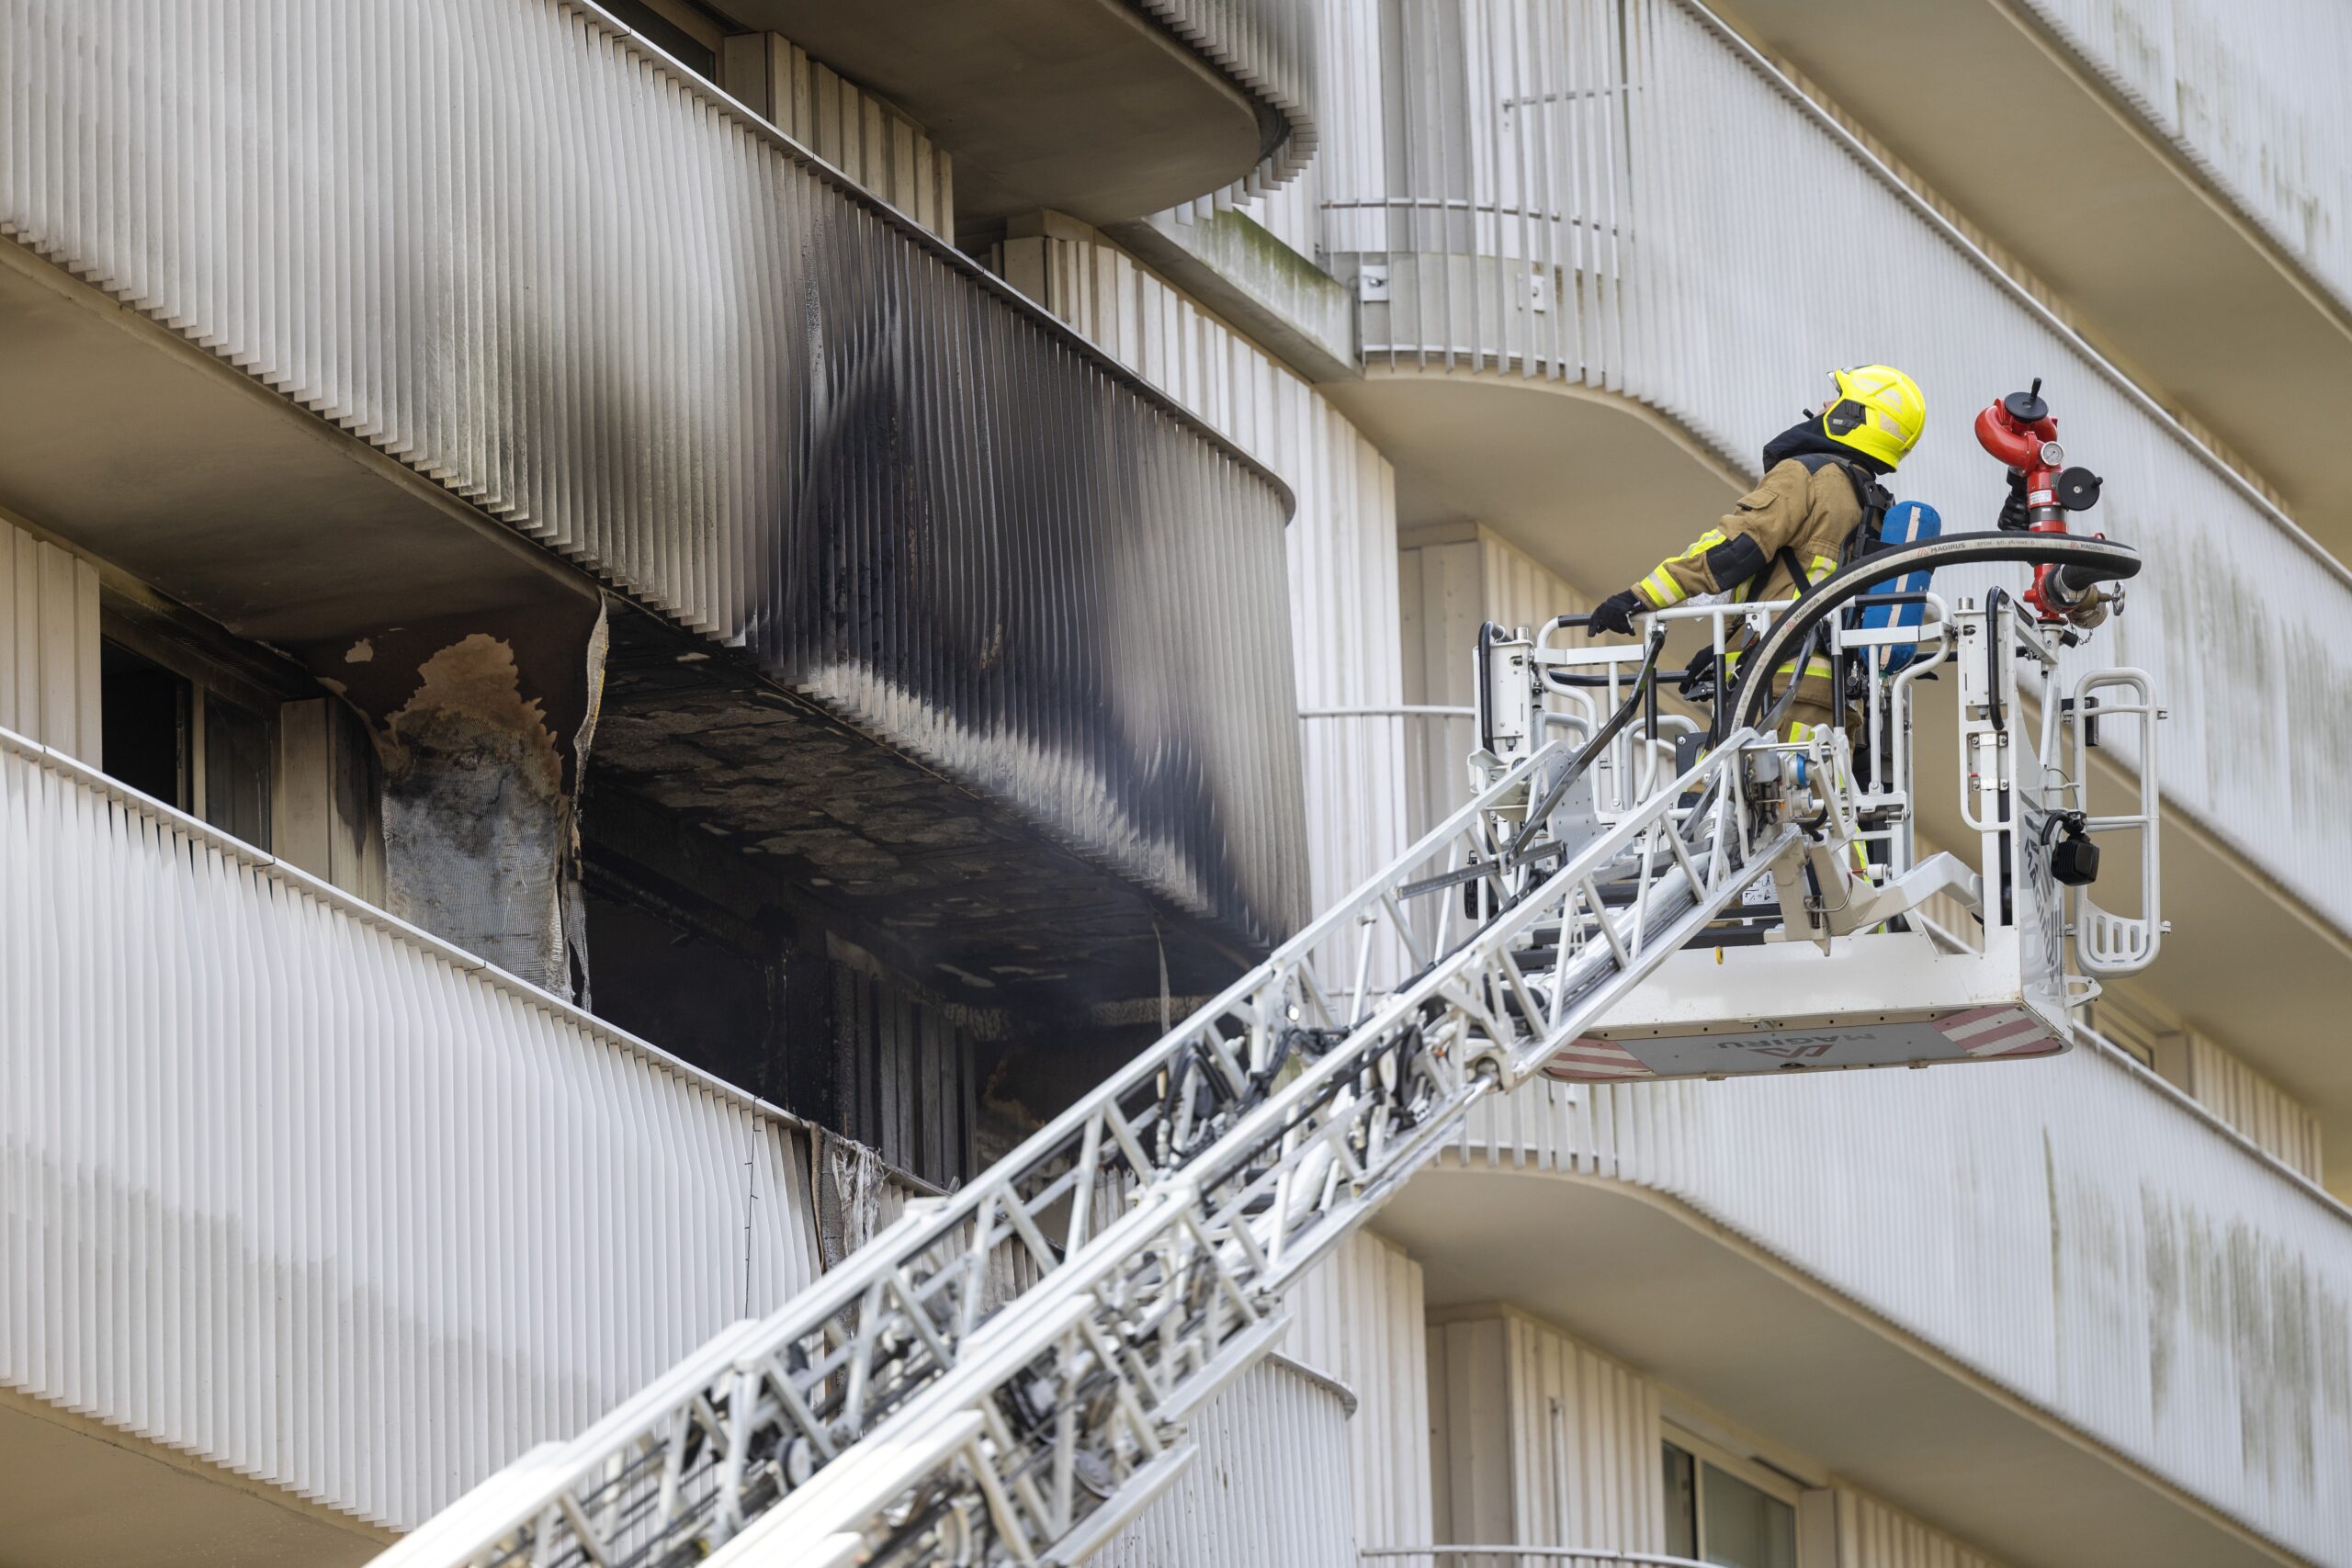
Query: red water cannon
x=2020, y=431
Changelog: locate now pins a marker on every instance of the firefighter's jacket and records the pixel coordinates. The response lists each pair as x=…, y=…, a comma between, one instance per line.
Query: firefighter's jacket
x=1802, y=509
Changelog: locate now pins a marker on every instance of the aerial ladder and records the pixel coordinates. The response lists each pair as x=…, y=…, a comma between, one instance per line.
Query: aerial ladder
x=1005, y=1374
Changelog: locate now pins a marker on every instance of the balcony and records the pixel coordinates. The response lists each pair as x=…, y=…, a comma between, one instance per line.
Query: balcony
x=2176, y=158
x=1586, y=301
x=1105, y=109
x=2054, y=1302
x=313, y=1220
x=525, y=316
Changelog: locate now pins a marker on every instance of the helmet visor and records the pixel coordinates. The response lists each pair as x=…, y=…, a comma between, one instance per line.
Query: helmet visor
x=1844, y=417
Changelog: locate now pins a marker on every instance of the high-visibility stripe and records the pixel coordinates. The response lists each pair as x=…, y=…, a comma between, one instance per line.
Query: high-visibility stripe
x=1661, y=589
x=1815, y=668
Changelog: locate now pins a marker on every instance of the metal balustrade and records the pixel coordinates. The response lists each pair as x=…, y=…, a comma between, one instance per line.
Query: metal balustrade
x=287, y=1183
x=2100, y=1247
x=578, y=288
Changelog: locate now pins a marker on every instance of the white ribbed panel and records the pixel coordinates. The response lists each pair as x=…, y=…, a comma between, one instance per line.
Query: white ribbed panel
x=1539, y=1440
x=49, y=645
x=1872, y=1535
x=1454, y=576
x=2073, y=1229
x=2265, y=1115
x=2253, y=95
x=1702, y=243
x=1269, y=48
x=303, y=1192
x=1585, y=1444
x=1270, y=1486
x=870, y=140
x=1358, y=1318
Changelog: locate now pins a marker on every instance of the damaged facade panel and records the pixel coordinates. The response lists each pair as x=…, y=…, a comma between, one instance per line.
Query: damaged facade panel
x=482, y=727
x=804, y=429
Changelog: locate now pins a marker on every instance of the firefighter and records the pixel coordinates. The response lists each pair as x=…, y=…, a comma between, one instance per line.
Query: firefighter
x=1819, y=505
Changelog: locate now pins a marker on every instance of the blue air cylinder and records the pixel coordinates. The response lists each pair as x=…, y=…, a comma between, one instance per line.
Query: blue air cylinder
x=1907, y=522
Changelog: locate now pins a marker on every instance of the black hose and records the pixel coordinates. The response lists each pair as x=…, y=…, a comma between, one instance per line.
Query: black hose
x=1594, y=747
x=2108, y=560
x=1993, y=640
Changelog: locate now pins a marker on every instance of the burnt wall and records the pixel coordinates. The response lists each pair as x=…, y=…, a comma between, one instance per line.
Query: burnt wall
x=649, y=334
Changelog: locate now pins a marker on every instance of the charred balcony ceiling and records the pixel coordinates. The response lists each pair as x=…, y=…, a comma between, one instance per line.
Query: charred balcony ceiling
x=897, y=551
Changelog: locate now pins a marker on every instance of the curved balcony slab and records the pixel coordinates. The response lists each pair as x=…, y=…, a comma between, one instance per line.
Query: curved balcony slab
x=2055, y=1301
x=648, y=336
x=306, y=1196
x=1616, y=216
x=2189, y=196
x=1105, y=109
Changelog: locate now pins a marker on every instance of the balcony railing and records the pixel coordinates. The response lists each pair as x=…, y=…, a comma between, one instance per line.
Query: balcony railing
x=309, y=1194
x=2076, y=1230
x=1270, y=48
x=575, y=287
x=2255, y=109
x=1619, y=194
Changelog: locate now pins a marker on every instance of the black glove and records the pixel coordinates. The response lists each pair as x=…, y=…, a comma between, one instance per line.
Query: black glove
x=2013, y=513
x=1615, y=614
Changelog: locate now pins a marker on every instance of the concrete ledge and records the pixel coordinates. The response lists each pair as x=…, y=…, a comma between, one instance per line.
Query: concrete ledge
x=1230, y=262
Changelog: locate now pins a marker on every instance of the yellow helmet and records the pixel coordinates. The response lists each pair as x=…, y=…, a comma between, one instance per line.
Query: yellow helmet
x=1877, y=411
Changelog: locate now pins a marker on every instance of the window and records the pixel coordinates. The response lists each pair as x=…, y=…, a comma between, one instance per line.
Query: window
x=170, y=726
x=1716, y=1515
x=143, y=717
x=236, y=771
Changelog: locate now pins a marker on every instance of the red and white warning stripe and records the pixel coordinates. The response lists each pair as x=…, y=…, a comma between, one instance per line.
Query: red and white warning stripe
x=1589, y=1060
x=1997, y=1031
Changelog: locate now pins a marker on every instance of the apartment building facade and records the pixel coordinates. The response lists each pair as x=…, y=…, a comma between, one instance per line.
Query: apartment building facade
x=639, y=630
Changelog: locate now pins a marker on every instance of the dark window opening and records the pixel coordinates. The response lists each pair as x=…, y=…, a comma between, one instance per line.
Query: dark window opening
x=670, y=979
x=143, y=724
x=1682, y=1504
x=683, y=949
x=237, y=750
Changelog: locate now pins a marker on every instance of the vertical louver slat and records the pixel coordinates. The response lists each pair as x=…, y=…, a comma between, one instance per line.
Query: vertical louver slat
x=1271, y=1484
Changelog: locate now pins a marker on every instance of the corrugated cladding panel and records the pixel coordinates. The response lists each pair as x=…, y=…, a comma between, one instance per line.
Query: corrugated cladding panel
x=49, y=645
x=2250, y=97
x=1342, y=576
x=1539, y=1440
x=2268, y=1116
x=514, y=252
x=305, y=1193
x=1269, y=1486
x=1585, y=1444
x=1359, y=1319
x=2100, y=1249
x=1666, y=212
x=1872, y=1535
x=1270, y=48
